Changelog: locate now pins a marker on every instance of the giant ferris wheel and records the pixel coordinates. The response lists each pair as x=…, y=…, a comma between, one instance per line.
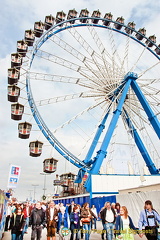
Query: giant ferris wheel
x=85, y=78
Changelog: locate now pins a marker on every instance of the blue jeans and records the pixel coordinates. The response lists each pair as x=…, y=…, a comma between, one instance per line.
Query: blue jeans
x=109, y=227
x=94, y=223
x=16, y=237
x=87, y=229
x=26, y=225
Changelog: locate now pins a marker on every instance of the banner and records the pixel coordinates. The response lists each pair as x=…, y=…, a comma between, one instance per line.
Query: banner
x=14, y=174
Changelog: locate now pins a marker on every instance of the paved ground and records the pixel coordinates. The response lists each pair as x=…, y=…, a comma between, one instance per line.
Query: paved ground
x=93, y=236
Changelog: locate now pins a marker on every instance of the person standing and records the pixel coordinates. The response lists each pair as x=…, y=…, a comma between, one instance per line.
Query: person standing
x=17, y=223
x=86, y=217
x=71, y=207
x=108, y=217
x=123, y=225
x=51, y=220
x=8, y=216
x=148, y=219
x=37, y=221
x=75, y=223
x=26, y=211
x=94, y=220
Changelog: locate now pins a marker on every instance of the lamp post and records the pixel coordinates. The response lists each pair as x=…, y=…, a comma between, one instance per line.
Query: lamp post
x=30, y=195
x=44, y=188
x=35, y=185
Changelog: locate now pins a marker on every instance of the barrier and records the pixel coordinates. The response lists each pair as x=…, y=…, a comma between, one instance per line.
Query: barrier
x=81, y=199
x=3, y=207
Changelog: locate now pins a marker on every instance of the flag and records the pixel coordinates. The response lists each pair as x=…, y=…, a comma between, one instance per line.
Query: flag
x=14, y=174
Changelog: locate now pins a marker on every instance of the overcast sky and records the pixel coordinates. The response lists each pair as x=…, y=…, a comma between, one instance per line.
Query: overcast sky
x=16, y=17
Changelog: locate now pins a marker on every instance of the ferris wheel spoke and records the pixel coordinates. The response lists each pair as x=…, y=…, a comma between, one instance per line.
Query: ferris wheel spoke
x=94, y=55
x=63, y=79
x=115, y=54
x=78, y=55
x=67, y=64
x=125, y=58
x=69, y=97
x=138, y=59
x=105, y=55
x=154, y=65
x=78, y=115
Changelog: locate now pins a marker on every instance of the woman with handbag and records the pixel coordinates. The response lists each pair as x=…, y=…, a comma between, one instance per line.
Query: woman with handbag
x=86, y=217
x=124, y=225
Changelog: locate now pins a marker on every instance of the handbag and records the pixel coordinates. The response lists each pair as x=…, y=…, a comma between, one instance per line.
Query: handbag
x=85, y=220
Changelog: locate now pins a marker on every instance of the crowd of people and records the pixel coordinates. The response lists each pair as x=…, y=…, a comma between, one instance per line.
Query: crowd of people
x=80, y=221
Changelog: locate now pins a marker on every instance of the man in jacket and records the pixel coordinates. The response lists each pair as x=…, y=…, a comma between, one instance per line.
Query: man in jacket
x=37, y=221
x=108, y=217
x=51, y=219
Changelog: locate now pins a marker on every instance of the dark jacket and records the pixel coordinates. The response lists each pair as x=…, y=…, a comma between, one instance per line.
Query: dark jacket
x=72, y=219
x=119, y=224
x=37, y=217
x=103, y=215
x=17, y=223
x=52, y=223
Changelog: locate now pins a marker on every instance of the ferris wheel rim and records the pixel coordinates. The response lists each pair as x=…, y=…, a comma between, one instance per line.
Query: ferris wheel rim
x=41, y=124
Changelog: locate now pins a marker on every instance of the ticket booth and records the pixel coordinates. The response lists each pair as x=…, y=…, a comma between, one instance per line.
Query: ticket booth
x=17, y=111
x=24, y=130
x=22, y=47
x=119, y=23
x=16, y=60
x=29, y=37
x=35, y=148
x=141, y=33
x=84, y=13
x=96, y=15
x=49, y=21
x=38, y=28
x=108, y=17
x=50, y=165
x=13, y=76
x=13, y=93
x=71, y=15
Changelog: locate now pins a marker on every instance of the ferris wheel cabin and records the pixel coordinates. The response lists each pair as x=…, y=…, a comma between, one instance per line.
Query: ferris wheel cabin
x=13, y=93
x=108, y=17
x=60, y=17
x=35, y=148
x=72, y=14
x=13, y=76
x=50, y=165
x=49, y=21
x=130, y=26
x=84, y=13
x=16, y=60
x=29, y=37
x=24, y=130
x=157, y=50
x=151, y=40
x=38, y=28
x=96, y=15
x=22, y=47
x=17, y=111
x=119, y=23
x=141, y=33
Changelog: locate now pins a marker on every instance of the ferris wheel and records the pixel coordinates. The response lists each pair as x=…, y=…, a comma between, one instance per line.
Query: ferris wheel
x=86, y=76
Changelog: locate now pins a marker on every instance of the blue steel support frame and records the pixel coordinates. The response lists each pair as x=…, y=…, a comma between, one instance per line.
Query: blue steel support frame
x=101, y=154
x=151, y=116
x=140, y=145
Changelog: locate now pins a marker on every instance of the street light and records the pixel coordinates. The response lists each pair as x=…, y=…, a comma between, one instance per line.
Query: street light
x=30, y=195
x=44, y=188
x=35, y=185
